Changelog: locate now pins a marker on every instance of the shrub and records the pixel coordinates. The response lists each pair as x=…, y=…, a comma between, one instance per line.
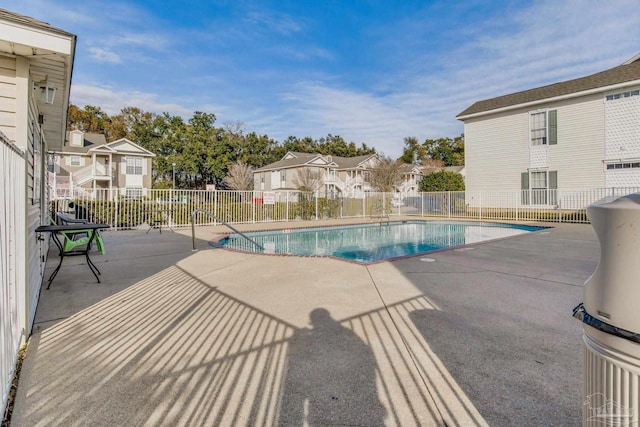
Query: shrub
x=442, y=181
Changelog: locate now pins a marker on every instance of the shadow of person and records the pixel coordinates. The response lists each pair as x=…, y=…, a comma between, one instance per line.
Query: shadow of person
x=330, y=377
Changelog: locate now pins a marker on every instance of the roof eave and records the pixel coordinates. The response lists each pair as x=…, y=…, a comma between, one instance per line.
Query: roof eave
x=547, y=100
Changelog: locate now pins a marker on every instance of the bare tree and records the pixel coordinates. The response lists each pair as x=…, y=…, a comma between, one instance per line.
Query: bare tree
x=308, y=179
x=239, y=177
x=430, y=165
x=386, y=176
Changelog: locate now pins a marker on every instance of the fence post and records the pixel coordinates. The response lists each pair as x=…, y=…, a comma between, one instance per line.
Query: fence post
x=517, y=205
x=115, y=216
x=253, y=205
x=480, y=203
x=449, y=204
x=364, y=196
x=559, y=201
x=215, y=207
x=287, y=205
x=316, y=196
x=422, y=204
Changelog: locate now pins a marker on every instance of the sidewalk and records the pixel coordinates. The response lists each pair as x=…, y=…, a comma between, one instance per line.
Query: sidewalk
x=214, y=337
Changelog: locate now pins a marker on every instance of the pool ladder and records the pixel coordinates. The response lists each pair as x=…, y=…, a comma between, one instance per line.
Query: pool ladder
x=235, y=230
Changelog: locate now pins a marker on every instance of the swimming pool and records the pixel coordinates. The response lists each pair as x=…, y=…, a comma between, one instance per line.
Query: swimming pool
x=374, y=242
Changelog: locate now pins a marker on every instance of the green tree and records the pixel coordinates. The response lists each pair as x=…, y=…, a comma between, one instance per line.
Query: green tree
x=442, y=181
x=448, y=150
x=414, y=152
x=337, y=146
x=135, y=125
x=89, y=119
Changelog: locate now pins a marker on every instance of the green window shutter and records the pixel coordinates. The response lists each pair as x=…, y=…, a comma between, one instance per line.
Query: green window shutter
x=524, y=185
x=553, y=127
x=553, y=187
x=553, y=180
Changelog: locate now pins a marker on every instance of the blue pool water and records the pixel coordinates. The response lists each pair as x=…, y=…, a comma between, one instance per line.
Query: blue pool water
x=374, y=242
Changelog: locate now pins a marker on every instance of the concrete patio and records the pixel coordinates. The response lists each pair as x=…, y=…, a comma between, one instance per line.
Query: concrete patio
x=482, y=336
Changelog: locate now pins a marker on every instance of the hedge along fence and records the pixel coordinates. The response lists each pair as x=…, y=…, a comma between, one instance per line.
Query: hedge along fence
x=229, y=206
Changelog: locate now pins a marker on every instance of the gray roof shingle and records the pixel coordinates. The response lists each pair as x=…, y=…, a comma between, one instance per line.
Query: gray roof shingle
x=623, y=73
x=91, y=140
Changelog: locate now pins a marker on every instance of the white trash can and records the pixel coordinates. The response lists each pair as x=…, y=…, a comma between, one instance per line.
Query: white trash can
x=611, y=317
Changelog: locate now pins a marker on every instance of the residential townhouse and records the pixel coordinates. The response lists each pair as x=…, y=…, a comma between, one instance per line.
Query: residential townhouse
x=91, y=165
x=578, y=134
x=334, y=176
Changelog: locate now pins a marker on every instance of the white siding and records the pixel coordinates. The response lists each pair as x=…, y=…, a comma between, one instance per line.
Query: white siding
x=8, y=97
x=496, y=151
x=623, y=127
x=579, y=153
x=497, y=147
x=36, y=249
x=622, y=178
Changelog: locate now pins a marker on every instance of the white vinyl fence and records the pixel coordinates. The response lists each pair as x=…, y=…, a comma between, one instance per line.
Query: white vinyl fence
x=103, y=205
x=12, y=260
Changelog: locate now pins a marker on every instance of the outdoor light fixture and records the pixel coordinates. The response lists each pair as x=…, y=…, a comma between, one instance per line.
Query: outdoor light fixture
x=47, y=90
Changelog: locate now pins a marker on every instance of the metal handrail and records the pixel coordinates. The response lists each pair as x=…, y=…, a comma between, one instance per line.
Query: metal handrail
x=193, y=228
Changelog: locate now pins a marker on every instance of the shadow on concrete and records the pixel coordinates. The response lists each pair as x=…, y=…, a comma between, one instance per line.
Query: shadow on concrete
x=131, y=256
x=505, y=331
x=486, y=332
x=330, y=376
x=174, y=350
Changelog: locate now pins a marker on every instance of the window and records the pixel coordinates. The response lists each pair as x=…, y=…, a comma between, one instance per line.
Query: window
x=625, y=165
x=539, y=129
x=615, y=96
x=75, y=161
x=133, y=192
x=134, y=165
x=262, y=178
x=283, y=175
x=539, y=187
x=544, y=128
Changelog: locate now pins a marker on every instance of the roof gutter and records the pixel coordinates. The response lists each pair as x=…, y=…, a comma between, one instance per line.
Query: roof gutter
x=553, y=99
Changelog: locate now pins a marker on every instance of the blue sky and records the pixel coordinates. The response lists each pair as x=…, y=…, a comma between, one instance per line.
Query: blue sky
x=372, y=72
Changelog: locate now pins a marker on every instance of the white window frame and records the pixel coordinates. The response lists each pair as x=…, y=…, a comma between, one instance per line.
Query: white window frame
x=622, y=165
x=134, y=165
x=134, y=192
x=539, y=138
x=75, y=161
x=539, y=195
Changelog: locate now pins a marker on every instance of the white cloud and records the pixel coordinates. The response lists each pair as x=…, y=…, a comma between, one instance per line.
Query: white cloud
x=148, y=40
x=279, y=22
x=546, y=43
x=104, y=55
x=112, y=101
x=422, y=88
